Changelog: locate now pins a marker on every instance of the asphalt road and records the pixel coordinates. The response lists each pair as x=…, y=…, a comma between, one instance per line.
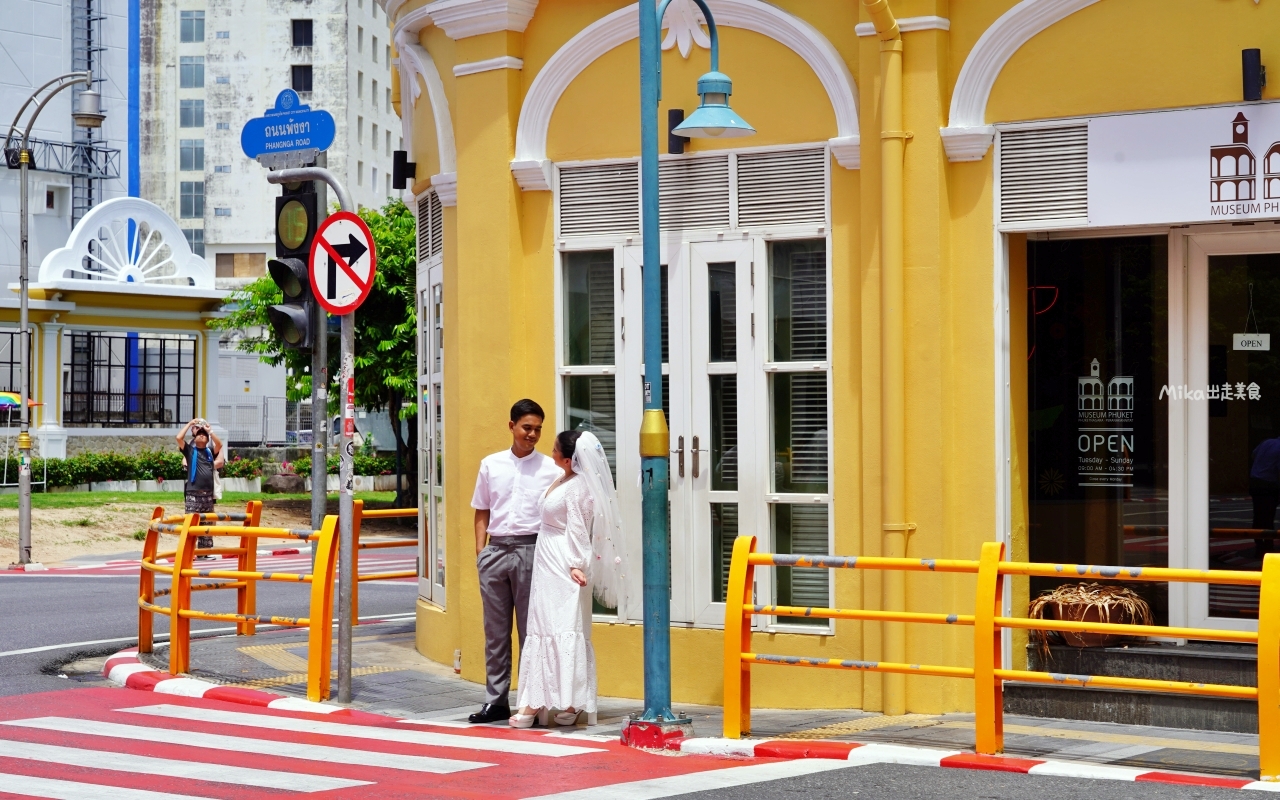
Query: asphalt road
x=898, y=782
x=40, y=611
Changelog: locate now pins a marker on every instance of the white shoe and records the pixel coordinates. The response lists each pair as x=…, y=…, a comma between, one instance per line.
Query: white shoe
x=567, y=718
x=522, y=720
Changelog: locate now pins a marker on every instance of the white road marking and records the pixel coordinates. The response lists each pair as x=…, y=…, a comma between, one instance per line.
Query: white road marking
x=187, y=770
x=898, y=754
x=237, y=744
x=296, y=725
x=72, y=790
x=701, y=781
x=1078, y=769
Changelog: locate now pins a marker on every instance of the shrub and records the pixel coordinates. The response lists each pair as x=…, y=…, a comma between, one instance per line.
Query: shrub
x=239, y=467
x=154, y=465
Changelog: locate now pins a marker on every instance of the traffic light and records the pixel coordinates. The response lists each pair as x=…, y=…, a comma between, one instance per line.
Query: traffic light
x=296, y=220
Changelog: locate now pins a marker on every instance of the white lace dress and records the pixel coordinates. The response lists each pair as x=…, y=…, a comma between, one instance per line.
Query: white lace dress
x=557, y=662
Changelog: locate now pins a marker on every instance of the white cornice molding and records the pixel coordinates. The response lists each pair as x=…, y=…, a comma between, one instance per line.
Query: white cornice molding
x=488, y=65
x=907, y=25
x=462, y=18
x=532, y=175
x=967, y=119
x=968, y=144
x=620, y=27
x=391, y=6
x=411, y=23
x=446, y=186
x=847, y=151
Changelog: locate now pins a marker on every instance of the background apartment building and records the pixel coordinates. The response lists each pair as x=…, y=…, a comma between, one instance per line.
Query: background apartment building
x=210, y=65
x=74, y=168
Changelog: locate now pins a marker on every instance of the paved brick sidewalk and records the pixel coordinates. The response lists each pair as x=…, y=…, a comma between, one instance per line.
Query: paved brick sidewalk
x=390, y=677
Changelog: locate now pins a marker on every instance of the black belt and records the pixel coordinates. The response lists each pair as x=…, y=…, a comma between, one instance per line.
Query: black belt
x=512, y=541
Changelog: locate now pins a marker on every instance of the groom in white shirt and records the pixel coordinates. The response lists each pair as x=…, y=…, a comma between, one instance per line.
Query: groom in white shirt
x=508, y=489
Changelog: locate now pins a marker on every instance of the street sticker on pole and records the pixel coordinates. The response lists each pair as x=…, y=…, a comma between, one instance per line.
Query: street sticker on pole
x=343, y=263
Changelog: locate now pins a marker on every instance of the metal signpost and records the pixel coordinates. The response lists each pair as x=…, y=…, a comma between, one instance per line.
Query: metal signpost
x=342, y=267
x=291, y=134
x=289, y=139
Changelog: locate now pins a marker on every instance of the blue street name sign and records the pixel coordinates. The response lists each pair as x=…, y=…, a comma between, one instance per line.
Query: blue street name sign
x=287, y=127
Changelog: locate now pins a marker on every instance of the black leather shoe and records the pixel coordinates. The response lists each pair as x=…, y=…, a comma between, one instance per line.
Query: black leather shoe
x=490, y=712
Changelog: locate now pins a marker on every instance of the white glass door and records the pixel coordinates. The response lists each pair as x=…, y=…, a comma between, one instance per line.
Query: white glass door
x=431, y=558
x=1232, y=418
x=722, y=389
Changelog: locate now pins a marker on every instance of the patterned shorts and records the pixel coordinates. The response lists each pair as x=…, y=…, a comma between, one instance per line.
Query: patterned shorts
x=197, y=502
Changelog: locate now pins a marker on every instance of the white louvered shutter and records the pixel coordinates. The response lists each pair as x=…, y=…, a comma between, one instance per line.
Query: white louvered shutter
x=600, y=199
x=782, y=188
x=694, y=193
x=1044, y=176
x=430, y=226
x=809, y=587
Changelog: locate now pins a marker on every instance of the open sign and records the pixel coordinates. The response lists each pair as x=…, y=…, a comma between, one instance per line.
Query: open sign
x=1251, y=341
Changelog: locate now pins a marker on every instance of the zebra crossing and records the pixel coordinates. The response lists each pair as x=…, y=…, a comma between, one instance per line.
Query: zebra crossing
x=109, y=743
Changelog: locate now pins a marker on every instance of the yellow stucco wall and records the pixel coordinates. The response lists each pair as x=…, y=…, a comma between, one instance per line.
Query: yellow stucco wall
x=1116, y=55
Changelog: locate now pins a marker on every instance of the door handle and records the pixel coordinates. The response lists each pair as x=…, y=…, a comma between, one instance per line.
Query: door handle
x=695, y=456
x=679, y=451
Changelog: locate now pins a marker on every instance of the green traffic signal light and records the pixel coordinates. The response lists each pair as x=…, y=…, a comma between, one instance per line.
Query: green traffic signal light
x=292, y=224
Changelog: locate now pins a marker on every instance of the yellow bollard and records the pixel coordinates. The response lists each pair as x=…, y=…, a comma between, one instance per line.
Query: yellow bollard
x=988, y=703
x=147, y=584
x=247, y=595
x=357, y=513
x=320, y=635
x=737, y=640
x=1269, y=669
x=180, y=599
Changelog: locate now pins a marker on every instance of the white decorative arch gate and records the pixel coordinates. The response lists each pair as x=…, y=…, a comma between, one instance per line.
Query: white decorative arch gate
x=127, y=240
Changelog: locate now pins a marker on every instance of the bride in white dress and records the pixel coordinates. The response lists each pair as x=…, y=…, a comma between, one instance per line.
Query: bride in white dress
x=578, y=554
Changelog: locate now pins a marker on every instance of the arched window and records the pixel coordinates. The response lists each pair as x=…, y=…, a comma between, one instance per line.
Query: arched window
x=1228, y=190
x=1213, y=192
x=1228, y=166
x=1273, y=162
x=1246, y=165
x=1245, y=190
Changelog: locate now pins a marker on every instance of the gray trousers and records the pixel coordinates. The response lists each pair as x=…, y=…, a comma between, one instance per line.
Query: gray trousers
x=505, y=567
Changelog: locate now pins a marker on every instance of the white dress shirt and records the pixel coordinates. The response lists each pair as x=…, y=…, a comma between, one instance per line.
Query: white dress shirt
x=511, y=488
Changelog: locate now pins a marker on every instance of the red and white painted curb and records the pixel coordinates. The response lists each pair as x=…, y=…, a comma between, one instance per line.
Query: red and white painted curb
x=879, y=753
x=125, y=669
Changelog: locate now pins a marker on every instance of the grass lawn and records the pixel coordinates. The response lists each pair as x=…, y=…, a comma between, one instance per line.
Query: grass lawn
x=168, y=499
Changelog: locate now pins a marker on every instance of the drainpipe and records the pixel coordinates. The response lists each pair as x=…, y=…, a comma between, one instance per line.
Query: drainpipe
x=893, y=501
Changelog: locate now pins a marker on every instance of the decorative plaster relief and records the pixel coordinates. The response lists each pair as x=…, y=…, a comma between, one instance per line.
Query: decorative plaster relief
x=620, y=27
x=446, y=186
x=684, y=23
x=462, y=18
x=967, y=120
x=99, y=252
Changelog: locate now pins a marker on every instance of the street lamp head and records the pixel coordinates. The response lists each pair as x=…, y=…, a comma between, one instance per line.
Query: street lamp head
x=88, y=113
x=713, y=118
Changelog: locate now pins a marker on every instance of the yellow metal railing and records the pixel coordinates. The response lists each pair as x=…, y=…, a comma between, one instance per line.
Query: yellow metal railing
x=361, y=513
x=987, y=620
x=243, y=578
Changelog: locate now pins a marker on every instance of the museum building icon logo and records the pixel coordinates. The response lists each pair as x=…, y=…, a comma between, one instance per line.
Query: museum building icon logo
x=1098, y=401
x=1233, y=169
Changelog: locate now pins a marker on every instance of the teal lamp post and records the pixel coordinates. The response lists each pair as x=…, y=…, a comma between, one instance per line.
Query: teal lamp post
x=713, y=119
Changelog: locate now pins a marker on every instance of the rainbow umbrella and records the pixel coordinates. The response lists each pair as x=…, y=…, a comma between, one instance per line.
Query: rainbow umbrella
x=10, y=400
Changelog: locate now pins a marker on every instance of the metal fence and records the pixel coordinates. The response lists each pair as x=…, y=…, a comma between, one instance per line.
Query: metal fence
x=253, y=421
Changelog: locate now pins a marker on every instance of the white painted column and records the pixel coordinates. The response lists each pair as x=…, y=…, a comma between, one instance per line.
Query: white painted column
x=52, y=437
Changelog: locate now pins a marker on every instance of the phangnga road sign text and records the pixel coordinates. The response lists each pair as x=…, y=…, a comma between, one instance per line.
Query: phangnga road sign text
x=289, y=126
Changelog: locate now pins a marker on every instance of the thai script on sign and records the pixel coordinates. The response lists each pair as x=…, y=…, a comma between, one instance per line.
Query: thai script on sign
x=289, y=129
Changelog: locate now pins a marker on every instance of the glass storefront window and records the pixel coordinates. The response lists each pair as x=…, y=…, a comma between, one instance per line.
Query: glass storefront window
x=1097, y=343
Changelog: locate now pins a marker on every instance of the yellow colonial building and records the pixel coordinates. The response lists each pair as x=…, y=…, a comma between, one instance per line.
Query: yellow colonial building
x=988, y=271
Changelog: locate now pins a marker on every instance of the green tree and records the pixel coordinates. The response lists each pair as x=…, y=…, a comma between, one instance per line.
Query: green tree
x=385, y=341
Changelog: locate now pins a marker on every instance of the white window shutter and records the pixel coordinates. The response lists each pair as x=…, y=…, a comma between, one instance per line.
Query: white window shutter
x=1044, y=176
x=600, y=199
x=694, y=193
x=430, y=226
x=787, y=187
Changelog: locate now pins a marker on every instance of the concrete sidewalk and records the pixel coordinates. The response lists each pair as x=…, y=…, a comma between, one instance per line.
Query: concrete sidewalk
x=390, y=677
